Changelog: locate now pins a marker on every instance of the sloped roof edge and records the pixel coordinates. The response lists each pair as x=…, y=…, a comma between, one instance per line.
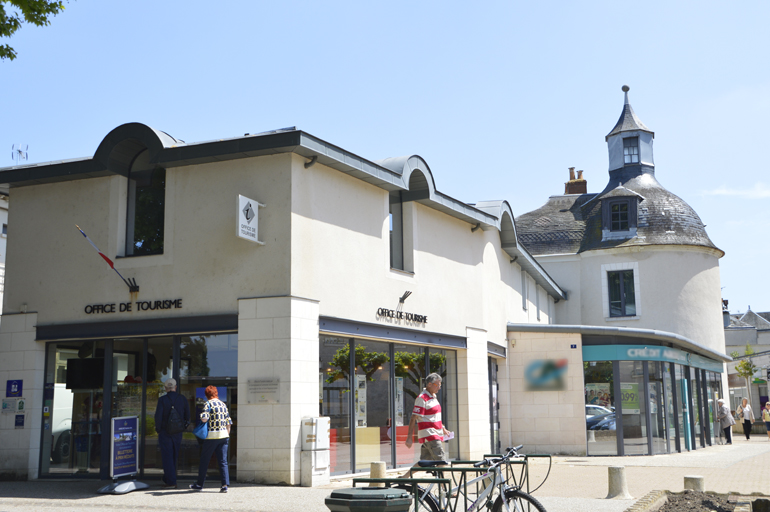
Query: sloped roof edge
x=599, y=330
x=391, y=174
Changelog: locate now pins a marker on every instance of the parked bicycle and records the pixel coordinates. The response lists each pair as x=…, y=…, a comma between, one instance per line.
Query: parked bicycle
x=492, y=490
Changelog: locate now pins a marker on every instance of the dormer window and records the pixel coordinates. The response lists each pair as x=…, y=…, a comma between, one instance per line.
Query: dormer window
x=619, y=215
x=631, y=150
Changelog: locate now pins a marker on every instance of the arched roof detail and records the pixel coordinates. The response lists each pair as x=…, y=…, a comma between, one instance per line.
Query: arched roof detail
x=121, y=146
x=423, y=187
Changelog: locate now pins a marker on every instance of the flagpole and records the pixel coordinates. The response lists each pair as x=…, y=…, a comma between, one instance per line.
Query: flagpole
x=132, y=287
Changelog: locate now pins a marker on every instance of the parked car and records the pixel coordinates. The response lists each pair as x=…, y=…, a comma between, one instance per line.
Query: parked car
x=602, y=422
x=596, y=410
x=61, y=424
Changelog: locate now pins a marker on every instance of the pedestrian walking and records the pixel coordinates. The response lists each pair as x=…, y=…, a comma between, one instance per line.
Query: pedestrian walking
x=172, y=415
x=218, y=417
x=726, y=420
x=744, y=411
x=426, y=419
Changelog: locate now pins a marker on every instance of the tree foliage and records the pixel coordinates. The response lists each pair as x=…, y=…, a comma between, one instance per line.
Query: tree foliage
x=411, y=366
x=369, y=362
x=746, y=367
x=37, y=12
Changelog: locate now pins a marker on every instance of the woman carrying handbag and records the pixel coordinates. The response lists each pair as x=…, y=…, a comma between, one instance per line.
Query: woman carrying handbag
x=745, y=412
x=216, y=419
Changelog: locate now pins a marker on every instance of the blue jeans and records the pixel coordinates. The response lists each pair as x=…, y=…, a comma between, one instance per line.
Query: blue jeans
x=170, y=446
x=210, y=447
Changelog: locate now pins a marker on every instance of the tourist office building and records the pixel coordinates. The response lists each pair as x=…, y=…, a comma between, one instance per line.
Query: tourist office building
x=303, y=281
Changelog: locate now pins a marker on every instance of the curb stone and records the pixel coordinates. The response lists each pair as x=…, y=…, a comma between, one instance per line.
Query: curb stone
x=653, y=500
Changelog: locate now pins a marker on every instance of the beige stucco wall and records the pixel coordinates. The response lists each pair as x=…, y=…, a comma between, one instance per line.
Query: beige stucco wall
x=340, y=257
x=544, y=421
x=326, y=244
x=679, y=290
x=53, y=270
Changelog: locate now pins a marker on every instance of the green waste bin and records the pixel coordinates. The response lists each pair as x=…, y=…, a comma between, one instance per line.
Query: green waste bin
x=369, y=499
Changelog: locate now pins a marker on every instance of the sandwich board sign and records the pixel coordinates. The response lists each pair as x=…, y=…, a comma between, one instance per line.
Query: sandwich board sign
x=124, y=455
x=248, y=219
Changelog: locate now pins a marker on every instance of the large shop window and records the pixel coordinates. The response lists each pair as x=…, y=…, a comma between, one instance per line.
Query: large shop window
x=369, y=399
x=146, y=208
x=74, y=396
x=634, y=408
x=659, y=416
x=601, y=426
x=80, y=409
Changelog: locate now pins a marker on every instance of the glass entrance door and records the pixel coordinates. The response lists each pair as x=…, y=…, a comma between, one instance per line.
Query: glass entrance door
x=73, y=409
x=139, y=370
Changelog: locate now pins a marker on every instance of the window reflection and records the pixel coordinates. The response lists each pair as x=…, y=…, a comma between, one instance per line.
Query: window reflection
x=601, y=427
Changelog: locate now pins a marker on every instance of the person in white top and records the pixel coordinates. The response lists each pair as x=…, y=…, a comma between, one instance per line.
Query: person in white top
x=745, y=412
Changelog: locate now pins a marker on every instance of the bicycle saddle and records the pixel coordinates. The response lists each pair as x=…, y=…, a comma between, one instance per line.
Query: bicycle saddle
x=431, y=463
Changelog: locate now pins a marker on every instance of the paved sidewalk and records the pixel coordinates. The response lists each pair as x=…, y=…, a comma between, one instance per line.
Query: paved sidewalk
x=578, y=484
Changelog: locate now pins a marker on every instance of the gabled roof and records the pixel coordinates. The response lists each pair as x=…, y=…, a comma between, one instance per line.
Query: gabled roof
x=755, y=320
x=621, y=191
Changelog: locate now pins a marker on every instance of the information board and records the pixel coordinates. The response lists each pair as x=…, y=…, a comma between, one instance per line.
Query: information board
x=629, y=397
x=123, y=459
x=264, y=391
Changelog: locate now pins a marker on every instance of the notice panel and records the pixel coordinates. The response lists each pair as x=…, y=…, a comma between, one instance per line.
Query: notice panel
x=124, y=446
x=265, y=391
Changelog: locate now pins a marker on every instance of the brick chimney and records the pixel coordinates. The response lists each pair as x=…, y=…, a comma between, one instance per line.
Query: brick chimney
x=575, y=186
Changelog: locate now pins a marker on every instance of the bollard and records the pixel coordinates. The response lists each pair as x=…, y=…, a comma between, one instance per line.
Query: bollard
x=377, y=471
x=694, y=483
x=591, y=436
x=618, y=485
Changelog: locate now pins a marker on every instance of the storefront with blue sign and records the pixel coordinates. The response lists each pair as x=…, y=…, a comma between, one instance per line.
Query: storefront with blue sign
x=648, y=398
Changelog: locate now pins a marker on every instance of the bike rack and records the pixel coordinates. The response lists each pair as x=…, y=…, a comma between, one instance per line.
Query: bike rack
x=459, y=478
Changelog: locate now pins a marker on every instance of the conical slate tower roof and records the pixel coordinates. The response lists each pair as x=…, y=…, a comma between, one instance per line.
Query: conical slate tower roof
x=628, y=120
x=573, y=223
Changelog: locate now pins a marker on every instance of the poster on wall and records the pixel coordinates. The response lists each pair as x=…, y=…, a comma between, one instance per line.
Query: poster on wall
x=360, y=400
x=629, y=397
x=123, y=459
x=598, y=393
x=399, y=401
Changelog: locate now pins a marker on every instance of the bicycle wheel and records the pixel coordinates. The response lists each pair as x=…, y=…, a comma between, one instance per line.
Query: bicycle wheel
x=427, y=500
x=517, y=501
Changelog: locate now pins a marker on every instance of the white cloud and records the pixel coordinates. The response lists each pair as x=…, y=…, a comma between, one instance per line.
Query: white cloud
x=758, y=191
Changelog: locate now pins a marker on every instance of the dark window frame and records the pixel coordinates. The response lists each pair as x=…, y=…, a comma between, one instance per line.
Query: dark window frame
x=628, y=158
x=155, y=220
x=622, y=292
x=631, y=214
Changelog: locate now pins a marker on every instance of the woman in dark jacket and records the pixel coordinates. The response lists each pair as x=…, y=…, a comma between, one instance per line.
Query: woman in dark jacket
x=218, y=417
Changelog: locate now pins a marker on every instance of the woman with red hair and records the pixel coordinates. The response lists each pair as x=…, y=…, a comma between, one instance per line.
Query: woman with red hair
x=216, y=414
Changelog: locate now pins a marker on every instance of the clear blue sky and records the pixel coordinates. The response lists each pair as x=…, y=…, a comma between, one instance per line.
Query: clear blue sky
x=500, y=98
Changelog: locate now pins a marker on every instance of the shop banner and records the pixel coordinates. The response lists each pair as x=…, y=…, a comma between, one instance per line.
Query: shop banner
x=629, y=397
x=123, y=459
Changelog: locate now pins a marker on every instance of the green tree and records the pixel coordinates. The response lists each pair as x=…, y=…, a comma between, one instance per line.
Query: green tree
x=746, y=369
x=36, y=12
x=369, y=362
x=411, y=366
